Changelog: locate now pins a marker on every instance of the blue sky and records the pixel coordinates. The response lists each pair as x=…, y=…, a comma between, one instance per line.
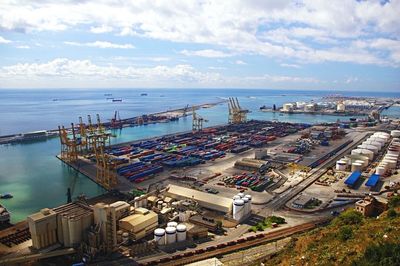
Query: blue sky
x=277, y=44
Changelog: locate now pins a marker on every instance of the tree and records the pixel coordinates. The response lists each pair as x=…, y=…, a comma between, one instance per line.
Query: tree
x=349, y=217
x=345, y=233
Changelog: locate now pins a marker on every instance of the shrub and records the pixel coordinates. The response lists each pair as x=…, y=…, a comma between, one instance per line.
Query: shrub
x=387, y=254
x=391, y=213
x=345, y=233
x=394, y=201
x=349, y=217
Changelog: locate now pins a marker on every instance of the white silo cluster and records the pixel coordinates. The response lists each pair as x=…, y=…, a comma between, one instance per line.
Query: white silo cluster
x=241, y=206
x=360, y=157
x=389, y=161
x=174, y=232
x=140, y=201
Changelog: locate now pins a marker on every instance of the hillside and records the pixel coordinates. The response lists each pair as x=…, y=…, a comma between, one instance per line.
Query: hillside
x=350, y=239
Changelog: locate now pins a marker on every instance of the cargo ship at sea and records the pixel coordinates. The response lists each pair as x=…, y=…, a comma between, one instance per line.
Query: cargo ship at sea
x=29, y=136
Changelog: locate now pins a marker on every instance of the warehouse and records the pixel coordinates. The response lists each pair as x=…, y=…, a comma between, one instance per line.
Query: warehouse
x=140, y=224
x=252, y=165
x=206, y=200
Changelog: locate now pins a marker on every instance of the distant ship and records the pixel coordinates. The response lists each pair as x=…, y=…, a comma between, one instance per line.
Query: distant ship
x=107, y=94
x=4, y=215
x=143, y=94
x=6, y=196
x=117, y=100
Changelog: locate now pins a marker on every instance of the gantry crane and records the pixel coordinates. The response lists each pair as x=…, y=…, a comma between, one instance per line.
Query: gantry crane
x=69, y=146
x=237, y=114
x=116, y=121
x=197, y=121
x=99, y=139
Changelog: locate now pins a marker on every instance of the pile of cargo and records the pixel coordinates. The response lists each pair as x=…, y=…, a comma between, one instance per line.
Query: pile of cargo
x=255, y=182
x=138, y=171
x=182, y=162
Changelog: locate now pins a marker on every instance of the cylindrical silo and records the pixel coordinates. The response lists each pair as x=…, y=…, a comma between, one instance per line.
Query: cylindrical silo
x=248, y=196
x=236, y=197
x=380, y=170
x=246, y=206
x=180, y=232
x=341, y=165
x=238, y=208
x=241, y=195
x=137, y=202
x=172, y=224
x=125, y=237
x=356, y=167
x=159, y=236
x=170, y=234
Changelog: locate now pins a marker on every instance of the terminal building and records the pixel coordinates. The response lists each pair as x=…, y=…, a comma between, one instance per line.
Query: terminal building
x=205, y=200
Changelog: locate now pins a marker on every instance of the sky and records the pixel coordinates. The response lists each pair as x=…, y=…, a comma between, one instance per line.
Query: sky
x=276, y=44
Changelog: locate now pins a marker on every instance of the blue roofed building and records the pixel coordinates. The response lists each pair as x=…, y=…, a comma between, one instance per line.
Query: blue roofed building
x=353, y=178
x=372, y=181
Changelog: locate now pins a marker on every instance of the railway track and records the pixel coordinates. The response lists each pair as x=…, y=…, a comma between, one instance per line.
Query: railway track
x=16, y=238
x=231, y=246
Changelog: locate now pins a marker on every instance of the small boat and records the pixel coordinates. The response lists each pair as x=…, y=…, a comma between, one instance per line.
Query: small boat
x=107, y=94
x=6, y=196
x=4, y=215
x=117, y=100
x=109, y=98
x=143, y=94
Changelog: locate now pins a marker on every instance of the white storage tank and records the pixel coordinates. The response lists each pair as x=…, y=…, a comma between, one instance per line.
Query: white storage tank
x=137, y=202
x=236, y=197
x=363, y=163
x=248, y=196
x=172, y=224
x=356, y=167
x=170, y=234
x=364, y=152
x=180, y=232
x=380, y=170
x=246, y=206
x=160, y=204
x=241, y=195
x=159, y=236
x=341, y=165
x=395, y=133
x=238, y=209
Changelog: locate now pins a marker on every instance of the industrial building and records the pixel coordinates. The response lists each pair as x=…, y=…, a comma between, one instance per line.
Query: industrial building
x=249, y=164
x=370, y=206
x=139, y=224
x=65, y=225
x=205, y=200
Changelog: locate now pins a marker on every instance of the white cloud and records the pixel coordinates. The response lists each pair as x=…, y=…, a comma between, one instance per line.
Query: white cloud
x=63, y=72
x=236, y=26
x=290, y=65
x=3, y=40
x=351, y=80
x=23, y=47
x=216, y=68
x=206, y=53
x=240, y=62
x=101, y=29
x=102, y=44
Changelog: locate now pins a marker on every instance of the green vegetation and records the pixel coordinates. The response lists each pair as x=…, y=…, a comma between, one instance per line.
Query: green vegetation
x=349, y=217
x=313, y=203
x=387, y=254
x=266, y=223
x=394, y=201
x=391, y=213
x=346, y=232
x=350, y=239
x=137, y=193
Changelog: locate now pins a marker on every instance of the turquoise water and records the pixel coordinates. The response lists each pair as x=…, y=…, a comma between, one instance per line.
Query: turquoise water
x=37, y=179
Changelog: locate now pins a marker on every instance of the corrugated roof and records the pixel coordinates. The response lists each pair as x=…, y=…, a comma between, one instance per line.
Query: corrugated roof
x=372, y=180
x=205, y=199
x=352, y=179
